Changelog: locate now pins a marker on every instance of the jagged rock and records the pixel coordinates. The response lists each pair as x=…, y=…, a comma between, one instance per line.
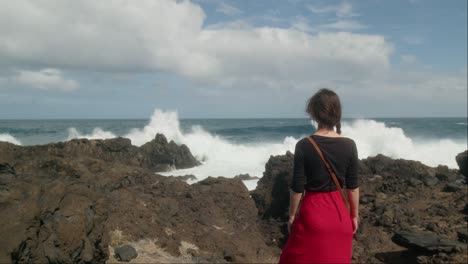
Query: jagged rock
x=67, y=199
x=396, y=194
x=60, y=203
x=245, y=177
x=7, y=174
x=451, y=187
x=159, y=152
x=186, y=177
x=6, y=168
x=462, y=161
x=125, y=253
x=444, y=174
x=463, y=234
x=272, y=192
x=430, y=181
x=427, y=243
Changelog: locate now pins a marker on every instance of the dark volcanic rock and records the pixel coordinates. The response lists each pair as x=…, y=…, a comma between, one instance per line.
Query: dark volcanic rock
x=452, y=187
x=400, y=174
x=462, y=161
x=246, y=177
x=159, y=152
x=272, y=192
x=427, y=243
x=186, y=177
x=396, y=194
x=125, y=253
x=463, y=234
x=5, y=168
x=65, y=201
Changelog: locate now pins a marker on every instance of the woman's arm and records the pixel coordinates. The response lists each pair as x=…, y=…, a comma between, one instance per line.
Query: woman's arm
x=353, y=198
x=297, y=184
x=352, y=187
x=294, y=200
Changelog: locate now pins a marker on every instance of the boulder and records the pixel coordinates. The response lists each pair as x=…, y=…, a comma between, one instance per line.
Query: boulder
x=452, y=187
x=125, y=253
x=427, y=243
x=462, y=161
x=159, y=152
x=272, y=193
x=462, y=234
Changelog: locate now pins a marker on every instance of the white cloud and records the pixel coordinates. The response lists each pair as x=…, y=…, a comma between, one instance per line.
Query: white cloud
x=169, y=36
x=228, y=9
x=46, y=79
x=301, y=23
x=341, y=14
x=343, y=10
x=345, y=25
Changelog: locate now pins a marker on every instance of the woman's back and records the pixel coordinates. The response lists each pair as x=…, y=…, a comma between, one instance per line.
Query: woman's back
x=321, y=225
x=310, y=172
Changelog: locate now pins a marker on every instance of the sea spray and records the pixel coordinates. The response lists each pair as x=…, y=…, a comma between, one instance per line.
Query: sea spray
x=374, y=138
x=223, y=157
x=9, y=138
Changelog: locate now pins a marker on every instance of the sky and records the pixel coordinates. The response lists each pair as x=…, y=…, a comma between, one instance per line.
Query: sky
x=231, y=59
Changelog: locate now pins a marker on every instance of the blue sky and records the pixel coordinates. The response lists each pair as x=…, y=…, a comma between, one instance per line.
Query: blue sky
x=216, y=59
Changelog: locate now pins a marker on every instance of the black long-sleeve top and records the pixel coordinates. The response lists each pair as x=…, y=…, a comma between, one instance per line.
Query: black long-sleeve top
x=310, y=172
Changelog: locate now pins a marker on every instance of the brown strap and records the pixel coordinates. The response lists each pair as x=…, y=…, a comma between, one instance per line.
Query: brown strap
x=330, y=170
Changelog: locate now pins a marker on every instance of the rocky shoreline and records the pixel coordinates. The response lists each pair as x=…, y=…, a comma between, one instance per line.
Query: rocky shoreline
x=95, y=201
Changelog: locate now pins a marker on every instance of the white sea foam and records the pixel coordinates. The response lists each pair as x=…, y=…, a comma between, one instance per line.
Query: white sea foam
x=374, y=137
x=97, y=133
x=9, y=138
x=223, y=158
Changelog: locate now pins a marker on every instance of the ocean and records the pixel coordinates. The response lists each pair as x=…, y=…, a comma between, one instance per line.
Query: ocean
x=229, y=147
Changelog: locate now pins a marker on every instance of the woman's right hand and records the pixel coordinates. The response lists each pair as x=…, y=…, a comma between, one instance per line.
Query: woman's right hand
x=290, y=223
x=355, y=221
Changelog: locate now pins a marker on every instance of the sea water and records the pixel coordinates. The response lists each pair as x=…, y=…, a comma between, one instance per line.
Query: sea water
x=228, y=147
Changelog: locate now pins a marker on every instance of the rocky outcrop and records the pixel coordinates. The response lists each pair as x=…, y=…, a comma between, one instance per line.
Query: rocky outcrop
x=272, y=192
x=65, y=203
x=462, y=161
x=161, y=155
x=96, y=200
x=246, y=177
x=397, y=196
x=157, y=155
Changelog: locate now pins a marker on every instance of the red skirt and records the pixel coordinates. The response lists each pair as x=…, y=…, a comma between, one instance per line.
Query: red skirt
x=322, y=231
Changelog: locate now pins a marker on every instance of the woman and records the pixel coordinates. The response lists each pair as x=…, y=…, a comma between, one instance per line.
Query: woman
x=321, y=230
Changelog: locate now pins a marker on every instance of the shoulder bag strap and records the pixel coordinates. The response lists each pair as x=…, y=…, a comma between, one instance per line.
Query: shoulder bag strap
x=330, y=170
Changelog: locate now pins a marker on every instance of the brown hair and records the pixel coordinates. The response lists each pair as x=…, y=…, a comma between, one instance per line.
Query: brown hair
x=325, y=108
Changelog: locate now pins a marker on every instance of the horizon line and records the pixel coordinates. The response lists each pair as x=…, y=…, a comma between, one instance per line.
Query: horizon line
x=217, y=118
